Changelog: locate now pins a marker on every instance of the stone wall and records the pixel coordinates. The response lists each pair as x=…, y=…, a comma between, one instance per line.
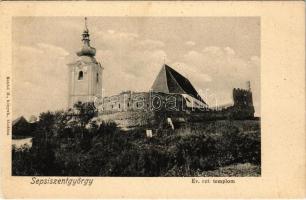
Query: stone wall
x=149, y=110
x=129, y=119
x=145, y=101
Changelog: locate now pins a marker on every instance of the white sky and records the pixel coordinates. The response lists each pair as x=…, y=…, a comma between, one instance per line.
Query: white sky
x=215, y=53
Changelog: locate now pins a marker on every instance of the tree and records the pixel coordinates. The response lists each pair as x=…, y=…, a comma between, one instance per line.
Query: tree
x=85, y=112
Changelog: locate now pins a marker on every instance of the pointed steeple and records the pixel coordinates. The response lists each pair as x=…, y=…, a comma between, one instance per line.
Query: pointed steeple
x=85, y=34
x=86, y=50
x=86, y=29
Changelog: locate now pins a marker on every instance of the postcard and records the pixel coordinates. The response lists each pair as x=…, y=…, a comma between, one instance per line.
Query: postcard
x=148, y=99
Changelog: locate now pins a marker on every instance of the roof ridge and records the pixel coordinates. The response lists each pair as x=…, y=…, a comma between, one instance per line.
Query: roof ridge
x=167, y=86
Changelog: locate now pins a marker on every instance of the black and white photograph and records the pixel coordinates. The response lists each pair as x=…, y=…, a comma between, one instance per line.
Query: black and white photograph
x=137, y=96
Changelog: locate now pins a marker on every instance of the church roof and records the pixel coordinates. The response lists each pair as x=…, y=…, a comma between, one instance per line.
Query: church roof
x=86, y=50
x=170, y=81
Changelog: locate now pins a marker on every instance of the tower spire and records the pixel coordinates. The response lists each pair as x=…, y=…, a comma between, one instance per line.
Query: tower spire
x=86, y=24
x=86, y=50
x=85, y=34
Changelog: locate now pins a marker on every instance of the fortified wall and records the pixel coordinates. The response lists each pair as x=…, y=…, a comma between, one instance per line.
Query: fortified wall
x=145, y=109
x=243, y=104
x=152, y=109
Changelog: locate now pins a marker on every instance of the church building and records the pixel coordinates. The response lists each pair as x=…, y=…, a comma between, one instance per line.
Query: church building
x=172, y=96
x=85, y=74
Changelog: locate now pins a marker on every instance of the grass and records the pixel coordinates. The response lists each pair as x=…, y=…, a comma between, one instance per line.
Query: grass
x=236, y=170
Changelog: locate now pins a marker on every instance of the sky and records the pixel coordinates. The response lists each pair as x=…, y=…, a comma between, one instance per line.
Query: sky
x=215, y=53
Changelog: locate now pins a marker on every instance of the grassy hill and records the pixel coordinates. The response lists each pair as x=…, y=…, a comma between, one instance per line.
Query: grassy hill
x=66, y=145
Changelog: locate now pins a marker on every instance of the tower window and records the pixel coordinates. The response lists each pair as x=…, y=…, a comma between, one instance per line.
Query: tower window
x=80, y=77
x=97, y=77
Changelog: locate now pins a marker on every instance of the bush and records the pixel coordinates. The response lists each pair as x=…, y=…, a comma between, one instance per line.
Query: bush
x=105, y=150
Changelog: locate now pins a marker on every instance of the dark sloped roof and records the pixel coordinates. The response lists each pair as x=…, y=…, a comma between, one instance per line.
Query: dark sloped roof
x=18, y=120
x=170, y=81
x=160, y=84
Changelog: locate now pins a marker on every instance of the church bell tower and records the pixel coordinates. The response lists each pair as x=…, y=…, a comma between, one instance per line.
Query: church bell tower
x=85, y=75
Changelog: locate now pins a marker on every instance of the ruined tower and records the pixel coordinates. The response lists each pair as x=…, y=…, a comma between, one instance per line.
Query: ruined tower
x=85, y=75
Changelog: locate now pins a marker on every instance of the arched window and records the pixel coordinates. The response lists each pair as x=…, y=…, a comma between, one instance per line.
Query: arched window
x=80, y=77
x=97, y=77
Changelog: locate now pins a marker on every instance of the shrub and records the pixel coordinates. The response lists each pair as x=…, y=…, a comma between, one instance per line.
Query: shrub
x=105, y=150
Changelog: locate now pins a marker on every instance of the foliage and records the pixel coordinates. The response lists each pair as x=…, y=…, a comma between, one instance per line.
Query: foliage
x=67, y=144
x=23, y=129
